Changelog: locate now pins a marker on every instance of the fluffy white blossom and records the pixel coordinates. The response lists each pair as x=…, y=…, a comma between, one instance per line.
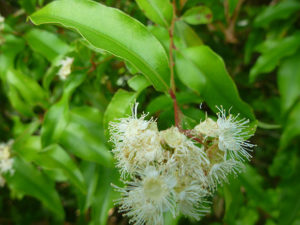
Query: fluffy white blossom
x=136, y=142
x=2, y=19
x=186, y=158
x=175, y=170
x=232, y=134
x=219, y=172
x=65, y=68
x=6, y=162
x=191, y=199
x=148, y=196
x=208, y=128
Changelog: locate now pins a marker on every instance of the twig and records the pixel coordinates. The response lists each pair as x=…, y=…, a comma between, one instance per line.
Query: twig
x=172, y=91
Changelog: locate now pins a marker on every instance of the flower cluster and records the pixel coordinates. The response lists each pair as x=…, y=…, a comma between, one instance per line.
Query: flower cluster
x=6, y=162
x=65, y=69
x=175, y=170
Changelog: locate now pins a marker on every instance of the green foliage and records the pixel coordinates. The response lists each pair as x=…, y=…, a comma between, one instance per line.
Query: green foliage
x=242, y=55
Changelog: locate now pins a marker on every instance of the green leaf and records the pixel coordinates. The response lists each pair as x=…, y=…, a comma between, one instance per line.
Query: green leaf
x=289, y=81
x=292, y=128
x=188, y=36
x=119, y=106
x=159, y=11
x=105, y=194
x=47, y=44
x=204, y=71
x=54, y=157
x=198, y=15
x=28, y=146
x=9, y=51
x=78, y=139
x=30, y=181
x=233, y=200
x=138, y=83
x=55, y=121
x=272, y=53
x=23, y=83
x=18, y=103
x=281, y=10
x=94, y=22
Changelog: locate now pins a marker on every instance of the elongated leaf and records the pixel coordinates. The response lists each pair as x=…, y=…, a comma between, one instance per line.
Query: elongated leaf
x=273, y=53
x=198, y=15
x=55, y=121
x=10, y=49
x=281, y=10
x=105, y=194
x=35, y=96
x=138, y=83
x=30, y=181
x=54, y=157
x=204, y=72
x=113, y=31
x=77, y=139
x=289, y=81
x=46, y=43
x=159, y=11
x=119, y=106
x=292, y=128
x=188, y=36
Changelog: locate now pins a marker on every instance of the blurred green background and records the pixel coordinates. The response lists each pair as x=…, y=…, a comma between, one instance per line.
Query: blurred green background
x=259, y=42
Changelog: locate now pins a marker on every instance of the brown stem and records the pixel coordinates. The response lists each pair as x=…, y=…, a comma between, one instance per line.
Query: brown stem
x=172, y=91
x=190, y=135
x=171, y=47
x=177, y=111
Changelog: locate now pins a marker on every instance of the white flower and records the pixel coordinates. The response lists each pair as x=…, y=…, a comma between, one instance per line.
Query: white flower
x=1, y=22
x=191, y=200
x=219, y=172
x=6, y=162
x=187, y=158
x=174, y=138
x=136, y=142
x=65, y=69
x=148, y=196
x=7, y=166
x=232, y=135
x=208, y=128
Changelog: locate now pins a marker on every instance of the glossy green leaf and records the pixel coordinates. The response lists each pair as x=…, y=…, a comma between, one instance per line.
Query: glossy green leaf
x=28, y=180
x=188, y=37
x=37, y=96
x=289, y=81
x=54, y=157
x=55, y=121
x=138, y=83
x=18, y=103
x=77, y=139
x=165, y=102
x=105, y=194
x=47, y=44
x=198, y=15
x=159, y=11
x=292, y=127
x=143, y=51
x=281, y=10
x=9, y=50
x=233, y=200
x=204, y=71
x=28, y=147
x=119, y=106
x=272, y=53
